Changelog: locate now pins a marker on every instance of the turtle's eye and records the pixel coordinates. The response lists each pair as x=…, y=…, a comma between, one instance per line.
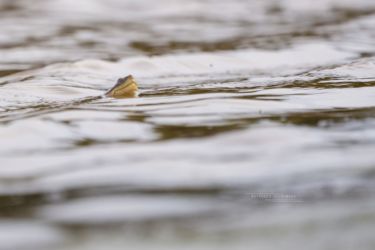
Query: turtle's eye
x=124, y=79
x=121, y=80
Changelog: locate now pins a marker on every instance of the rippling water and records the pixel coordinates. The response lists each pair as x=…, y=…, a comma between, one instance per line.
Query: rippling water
x=255, y=124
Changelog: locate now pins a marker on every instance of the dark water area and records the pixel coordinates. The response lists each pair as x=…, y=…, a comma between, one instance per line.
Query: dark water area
x=254, y=126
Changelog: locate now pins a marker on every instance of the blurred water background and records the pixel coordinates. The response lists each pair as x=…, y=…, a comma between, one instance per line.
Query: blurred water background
x=255, y=127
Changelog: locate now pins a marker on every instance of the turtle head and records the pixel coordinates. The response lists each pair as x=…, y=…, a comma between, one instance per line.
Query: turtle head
x=125, y=87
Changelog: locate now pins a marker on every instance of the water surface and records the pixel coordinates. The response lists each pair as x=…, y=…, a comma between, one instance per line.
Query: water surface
x=255, y=125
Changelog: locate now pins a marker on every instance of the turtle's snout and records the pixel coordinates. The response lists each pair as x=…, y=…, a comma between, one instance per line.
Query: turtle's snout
x=125, y=88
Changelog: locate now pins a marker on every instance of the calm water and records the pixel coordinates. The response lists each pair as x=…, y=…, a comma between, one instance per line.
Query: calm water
x=255, y=125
